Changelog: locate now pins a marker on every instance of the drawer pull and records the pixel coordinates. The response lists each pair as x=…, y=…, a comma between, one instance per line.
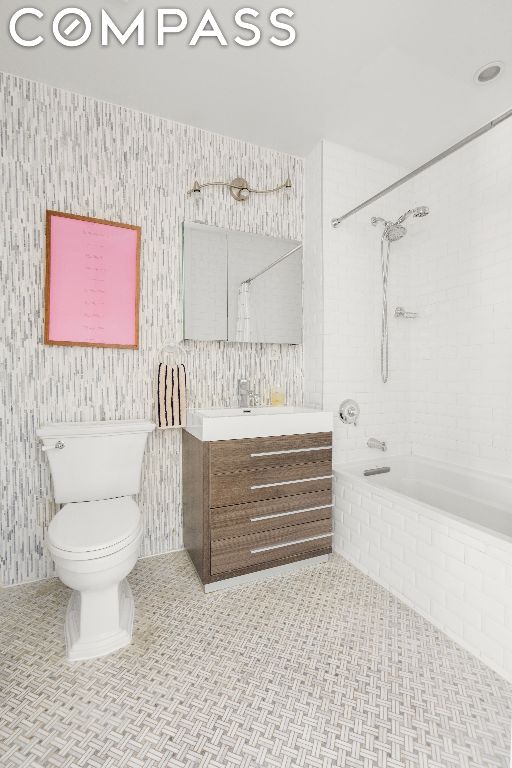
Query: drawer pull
x=291, y=450
x=285, y=514
x=290, y=482
x=290, y=543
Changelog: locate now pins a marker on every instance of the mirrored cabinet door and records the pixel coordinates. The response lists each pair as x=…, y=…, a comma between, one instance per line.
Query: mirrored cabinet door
x=257, y=281
x=205, y=264
x=264, y=289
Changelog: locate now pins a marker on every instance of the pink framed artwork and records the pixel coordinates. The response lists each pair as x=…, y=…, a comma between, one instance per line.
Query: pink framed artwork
x=92, y=282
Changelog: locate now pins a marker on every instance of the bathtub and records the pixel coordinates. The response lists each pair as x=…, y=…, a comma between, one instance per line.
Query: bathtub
x=439, y=537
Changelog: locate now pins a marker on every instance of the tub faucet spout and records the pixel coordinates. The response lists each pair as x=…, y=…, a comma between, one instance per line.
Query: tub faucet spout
x=380, y=445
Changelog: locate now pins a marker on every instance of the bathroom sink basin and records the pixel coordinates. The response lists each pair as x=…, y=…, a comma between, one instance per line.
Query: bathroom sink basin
x=235, y=423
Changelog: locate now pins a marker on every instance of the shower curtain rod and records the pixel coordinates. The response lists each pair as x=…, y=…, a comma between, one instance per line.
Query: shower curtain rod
x=462, y=143
x=274, y=263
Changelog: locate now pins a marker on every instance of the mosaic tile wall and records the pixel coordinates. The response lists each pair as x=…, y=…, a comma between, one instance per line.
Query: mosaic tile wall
x=66, y=152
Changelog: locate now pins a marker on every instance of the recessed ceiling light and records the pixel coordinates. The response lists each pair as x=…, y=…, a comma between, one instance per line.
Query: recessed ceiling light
x=488, y=72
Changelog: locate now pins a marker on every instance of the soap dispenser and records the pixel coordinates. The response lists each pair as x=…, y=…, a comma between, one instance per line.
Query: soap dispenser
x=277, y=395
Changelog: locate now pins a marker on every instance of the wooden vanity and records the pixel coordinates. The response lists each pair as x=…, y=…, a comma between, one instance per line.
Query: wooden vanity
x=256, y=503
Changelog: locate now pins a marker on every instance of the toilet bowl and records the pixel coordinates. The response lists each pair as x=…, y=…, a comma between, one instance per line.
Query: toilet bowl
x=94, y=538
x=95, y=545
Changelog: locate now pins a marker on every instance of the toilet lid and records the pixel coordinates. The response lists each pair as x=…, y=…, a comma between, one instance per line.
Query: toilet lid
x=89, y=526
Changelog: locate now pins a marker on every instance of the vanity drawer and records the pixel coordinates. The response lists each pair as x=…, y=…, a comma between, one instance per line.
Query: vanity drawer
x=229, y=555
x=255, y=453
x=259, y=516
x=269, y=483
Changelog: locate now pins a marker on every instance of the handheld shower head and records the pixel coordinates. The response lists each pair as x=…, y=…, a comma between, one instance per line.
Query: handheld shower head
x=418, y=213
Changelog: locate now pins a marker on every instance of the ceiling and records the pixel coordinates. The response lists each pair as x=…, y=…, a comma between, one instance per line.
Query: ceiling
x=392, y=78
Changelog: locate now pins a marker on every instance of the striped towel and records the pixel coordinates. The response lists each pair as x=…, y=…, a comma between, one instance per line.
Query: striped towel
x=172, y=396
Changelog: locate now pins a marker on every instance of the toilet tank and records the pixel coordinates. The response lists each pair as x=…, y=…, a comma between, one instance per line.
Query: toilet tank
x=95, y=460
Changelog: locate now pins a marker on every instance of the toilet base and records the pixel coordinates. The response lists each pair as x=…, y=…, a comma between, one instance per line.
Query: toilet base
x=83, y=648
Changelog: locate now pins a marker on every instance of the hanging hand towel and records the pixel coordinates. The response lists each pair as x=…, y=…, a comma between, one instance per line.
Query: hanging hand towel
x=172, y=396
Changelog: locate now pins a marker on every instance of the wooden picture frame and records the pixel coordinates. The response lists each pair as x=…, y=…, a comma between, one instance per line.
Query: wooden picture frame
x=92, y=282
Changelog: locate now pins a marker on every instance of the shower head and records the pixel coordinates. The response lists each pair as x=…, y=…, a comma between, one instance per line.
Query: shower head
x=393, y=232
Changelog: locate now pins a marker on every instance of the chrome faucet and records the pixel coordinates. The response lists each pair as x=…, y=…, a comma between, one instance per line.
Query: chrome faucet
x=244, y=389
x=378, y=444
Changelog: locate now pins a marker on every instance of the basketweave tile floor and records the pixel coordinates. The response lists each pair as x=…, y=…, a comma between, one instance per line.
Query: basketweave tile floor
x=319, y=669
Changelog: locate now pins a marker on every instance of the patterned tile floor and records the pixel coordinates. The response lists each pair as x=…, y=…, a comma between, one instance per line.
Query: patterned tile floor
x=320, y=669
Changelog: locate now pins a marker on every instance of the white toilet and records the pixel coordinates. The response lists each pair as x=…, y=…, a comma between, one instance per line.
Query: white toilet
x=94, y=538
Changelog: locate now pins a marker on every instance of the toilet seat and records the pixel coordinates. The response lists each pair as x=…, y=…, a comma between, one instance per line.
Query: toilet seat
x=92, y=529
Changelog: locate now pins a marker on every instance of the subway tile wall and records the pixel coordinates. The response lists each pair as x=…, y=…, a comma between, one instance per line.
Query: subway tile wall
x=461, y=284
x=455, y=575
x=352, y=308
x=449, y=394
x=71, y=153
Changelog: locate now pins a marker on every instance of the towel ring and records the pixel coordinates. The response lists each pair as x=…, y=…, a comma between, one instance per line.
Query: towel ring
x=172, y=345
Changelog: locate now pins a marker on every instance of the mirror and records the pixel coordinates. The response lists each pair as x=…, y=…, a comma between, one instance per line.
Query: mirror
x=205, y=264
x=241, y=287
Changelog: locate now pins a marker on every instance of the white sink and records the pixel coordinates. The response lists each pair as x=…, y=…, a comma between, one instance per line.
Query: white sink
x=208, y=424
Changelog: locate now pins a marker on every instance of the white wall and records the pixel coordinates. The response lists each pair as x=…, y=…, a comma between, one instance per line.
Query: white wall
x=70, y=153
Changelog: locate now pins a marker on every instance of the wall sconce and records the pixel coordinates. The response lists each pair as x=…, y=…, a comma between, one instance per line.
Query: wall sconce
x=239, y=188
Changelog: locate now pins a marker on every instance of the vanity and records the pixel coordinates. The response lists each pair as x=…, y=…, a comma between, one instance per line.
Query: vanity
x=257, y=490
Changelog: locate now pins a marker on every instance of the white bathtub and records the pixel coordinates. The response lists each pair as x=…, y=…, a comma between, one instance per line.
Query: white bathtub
x=440, y=538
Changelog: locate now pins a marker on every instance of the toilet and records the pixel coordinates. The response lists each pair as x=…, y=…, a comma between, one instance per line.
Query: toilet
x=94, y=538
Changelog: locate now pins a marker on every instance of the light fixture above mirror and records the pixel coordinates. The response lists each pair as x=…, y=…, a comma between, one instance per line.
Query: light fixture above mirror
x=239, y=188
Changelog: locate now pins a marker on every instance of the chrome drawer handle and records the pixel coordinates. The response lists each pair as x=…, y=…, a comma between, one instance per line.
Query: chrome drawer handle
x=290, y=543
x=290, y=482
x=59, y=445
x=285, y=514
x=291, y=450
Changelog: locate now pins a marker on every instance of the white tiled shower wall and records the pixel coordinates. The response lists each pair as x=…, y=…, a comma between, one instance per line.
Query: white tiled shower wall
x=461, y=285
x=455, y=575
x=449, y=394
x=347, y=335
